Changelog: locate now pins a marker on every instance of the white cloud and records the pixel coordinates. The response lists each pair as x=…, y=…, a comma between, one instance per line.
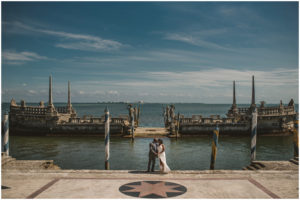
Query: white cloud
x=195, y=40
x=32, y=92
x=70, y=40
x=18, y=58
x=113, y=92
x=214, y=78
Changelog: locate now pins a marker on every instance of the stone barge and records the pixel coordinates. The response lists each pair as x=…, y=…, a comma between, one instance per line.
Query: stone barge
x=50, y=120
x=276, y=120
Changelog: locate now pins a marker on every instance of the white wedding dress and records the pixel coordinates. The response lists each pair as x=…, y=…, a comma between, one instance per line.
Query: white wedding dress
x=162, y=157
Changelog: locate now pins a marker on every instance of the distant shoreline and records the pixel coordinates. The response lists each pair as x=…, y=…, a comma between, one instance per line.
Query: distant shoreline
x=147, y=103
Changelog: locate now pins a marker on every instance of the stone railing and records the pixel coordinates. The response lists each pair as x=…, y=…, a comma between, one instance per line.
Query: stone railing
x=95, y=120
x=289, y=109
x=62, y=109
x=29, y=110
x=208, y=120
x=117, y=120
x=276, y=110
x=243, y=110
x=268, y=111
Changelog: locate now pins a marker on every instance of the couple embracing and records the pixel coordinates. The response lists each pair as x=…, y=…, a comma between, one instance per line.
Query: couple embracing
x=157, y=150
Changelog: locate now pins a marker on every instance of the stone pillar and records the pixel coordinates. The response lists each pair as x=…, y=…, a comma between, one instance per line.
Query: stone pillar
x=50, y=102
x=234, y=109
x=234, y=100
x=69, y=98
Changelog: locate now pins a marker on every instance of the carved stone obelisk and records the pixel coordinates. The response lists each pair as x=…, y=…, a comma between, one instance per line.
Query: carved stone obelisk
x=69, y=98
x=50, y=101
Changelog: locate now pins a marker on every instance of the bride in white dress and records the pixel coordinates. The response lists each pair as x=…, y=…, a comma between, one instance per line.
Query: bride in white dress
x=164, y=168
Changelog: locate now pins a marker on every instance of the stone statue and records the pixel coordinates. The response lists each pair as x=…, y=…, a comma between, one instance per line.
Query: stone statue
x=41, y=104
x=167, y=113
x=172, y=112
x=13, y=102
x=135, y=113
x=291, y=103
x=131, y=112
x=23, y=104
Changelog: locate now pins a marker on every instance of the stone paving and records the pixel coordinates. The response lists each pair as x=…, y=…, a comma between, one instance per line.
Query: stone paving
x=121, y=184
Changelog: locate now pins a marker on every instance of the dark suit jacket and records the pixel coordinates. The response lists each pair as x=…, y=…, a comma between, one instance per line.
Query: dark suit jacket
x=152, y=149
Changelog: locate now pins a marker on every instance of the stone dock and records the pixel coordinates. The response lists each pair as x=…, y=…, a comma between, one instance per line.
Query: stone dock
x=43, y=179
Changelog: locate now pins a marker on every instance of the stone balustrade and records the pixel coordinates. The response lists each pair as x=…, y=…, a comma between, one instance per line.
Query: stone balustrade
x=276, y=110
x=30, y=110
x=243, y=110
x=208, y=120
x=94, y=120
x=117, y=120
x=62, y=109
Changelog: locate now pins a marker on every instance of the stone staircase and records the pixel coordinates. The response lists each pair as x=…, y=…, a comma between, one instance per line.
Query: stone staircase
x=254, y=166
x=295, y=160
x=273, y=165
x=6, y=159
x=150, y=132
x=9, y=163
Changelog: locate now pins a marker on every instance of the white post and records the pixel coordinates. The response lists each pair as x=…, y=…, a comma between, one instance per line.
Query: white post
x=253, y=134
x=106, y=141
x=6, y=134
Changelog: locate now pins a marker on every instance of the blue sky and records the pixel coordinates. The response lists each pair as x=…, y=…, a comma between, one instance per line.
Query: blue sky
x=151, y=51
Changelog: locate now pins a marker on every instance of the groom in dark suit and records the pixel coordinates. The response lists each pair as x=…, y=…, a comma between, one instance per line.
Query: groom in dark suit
x=152, y=154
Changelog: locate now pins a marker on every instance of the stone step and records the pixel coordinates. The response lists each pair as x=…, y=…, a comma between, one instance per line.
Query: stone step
x=255, y=165
x=150, y=132
x=6, y=159
x=296, y=158
x=250, y=167
x=259, y=164
x=294, y=161
x=30, y=164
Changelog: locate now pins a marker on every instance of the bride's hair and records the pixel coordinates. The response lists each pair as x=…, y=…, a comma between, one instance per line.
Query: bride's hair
x=160, y=141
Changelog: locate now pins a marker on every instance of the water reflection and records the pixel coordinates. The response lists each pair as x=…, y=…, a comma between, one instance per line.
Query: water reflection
x=185, y=153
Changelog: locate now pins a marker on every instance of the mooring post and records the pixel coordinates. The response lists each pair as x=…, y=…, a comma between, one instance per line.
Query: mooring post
x=107, y=135
x=132, y=128
x=6, y=134
x=253, y=134
x=177, y=125
x=214, y=148
x=296, y=138
x=138, y=116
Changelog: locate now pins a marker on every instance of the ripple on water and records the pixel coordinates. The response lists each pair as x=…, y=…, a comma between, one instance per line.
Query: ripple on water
x=185, y=153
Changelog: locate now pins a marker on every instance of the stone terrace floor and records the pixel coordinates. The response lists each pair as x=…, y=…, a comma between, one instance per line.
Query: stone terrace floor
x=47, y=184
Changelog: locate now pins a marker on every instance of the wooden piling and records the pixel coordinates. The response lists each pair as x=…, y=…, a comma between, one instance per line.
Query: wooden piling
x=214, y=148
x=132, y=128
x=177, y=126
x=296, y=138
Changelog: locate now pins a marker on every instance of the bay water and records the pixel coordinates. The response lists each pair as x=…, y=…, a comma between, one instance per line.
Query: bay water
x=191, y=153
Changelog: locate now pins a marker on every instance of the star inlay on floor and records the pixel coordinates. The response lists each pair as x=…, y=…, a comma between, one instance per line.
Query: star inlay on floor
x=152, y=189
